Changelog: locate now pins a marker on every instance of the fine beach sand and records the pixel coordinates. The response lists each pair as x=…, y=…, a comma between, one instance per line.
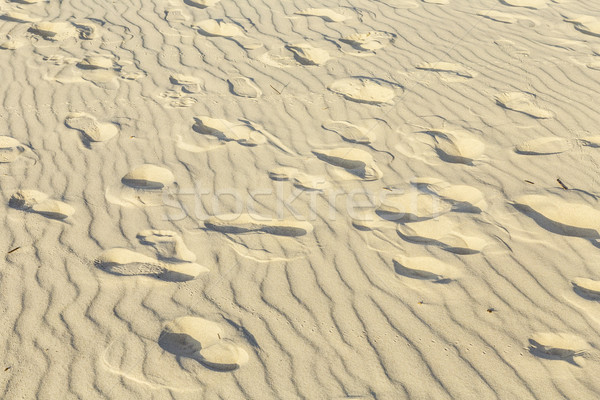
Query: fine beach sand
x=387, y=199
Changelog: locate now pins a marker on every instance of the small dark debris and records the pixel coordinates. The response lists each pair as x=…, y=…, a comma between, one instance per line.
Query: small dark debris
x=7, y=368
x=13, y=250
x=420, y=302
x=278, y=92
x=562, y=184
x=531, y=183
x=491, y=310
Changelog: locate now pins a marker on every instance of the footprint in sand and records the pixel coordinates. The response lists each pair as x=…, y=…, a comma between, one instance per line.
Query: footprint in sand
x=425, y=268
x=324, y=13
x=585, y=24
x=204, y=341
x=457, y=146
x=240, y=132
x=247, y=223
x=411, y=206
x=369, y=41
x=356, y=161
x=441, y=232
x=544, y=145
x=587, y=288
x=10, y=149
x=40, y=203
x=100, y=70
x=306, y=54
x=521, y=102
x=174, y=261
x=561, y=217
x=55, y=31
x=218, y=28
x=145, y=185
x=175, y=15
x=244, y=87
x=91, y=130
x=533, y=4
x=448, y=68
x=365, y=90
x=148, y=177
x=462, y=198
x=188, y=84
x=559, y=346
x=299, y=179
x=177, y=99
x=201, y=3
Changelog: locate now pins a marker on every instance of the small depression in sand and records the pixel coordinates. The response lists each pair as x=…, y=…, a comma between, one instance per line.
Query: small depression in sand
x=173, y=261
x=202, y=340
x=365, y=90
x=40, y=203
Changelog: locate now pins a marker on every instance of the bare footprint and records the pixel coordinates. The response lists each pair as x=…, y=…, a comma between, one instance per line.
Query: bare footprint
x=355, y=161
x=520, y=102
x=189, y=84
x=40, y=203
x=244, y=87
x=204, y=341
x=365, y=90
x=90, y=128
x=126, y=262
x=247, y=223
x=168, y=245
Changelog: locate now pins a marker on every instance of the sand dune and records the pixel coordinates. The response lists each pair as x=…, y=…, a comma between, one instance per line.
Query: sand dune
x=209, y=199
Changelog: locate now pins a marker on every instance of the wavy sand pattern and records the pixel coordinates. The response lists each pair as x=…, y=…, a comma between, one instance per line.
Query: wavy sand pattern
x=218, y=199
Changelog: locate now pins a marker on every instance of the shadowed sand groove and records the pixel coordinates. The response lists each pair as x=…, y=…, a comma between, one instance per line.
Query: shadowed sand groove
x=246, y=223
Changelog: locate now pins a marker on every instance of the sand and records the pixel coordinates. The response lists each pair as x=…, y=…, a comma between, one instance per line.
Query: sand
x=208, y=199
